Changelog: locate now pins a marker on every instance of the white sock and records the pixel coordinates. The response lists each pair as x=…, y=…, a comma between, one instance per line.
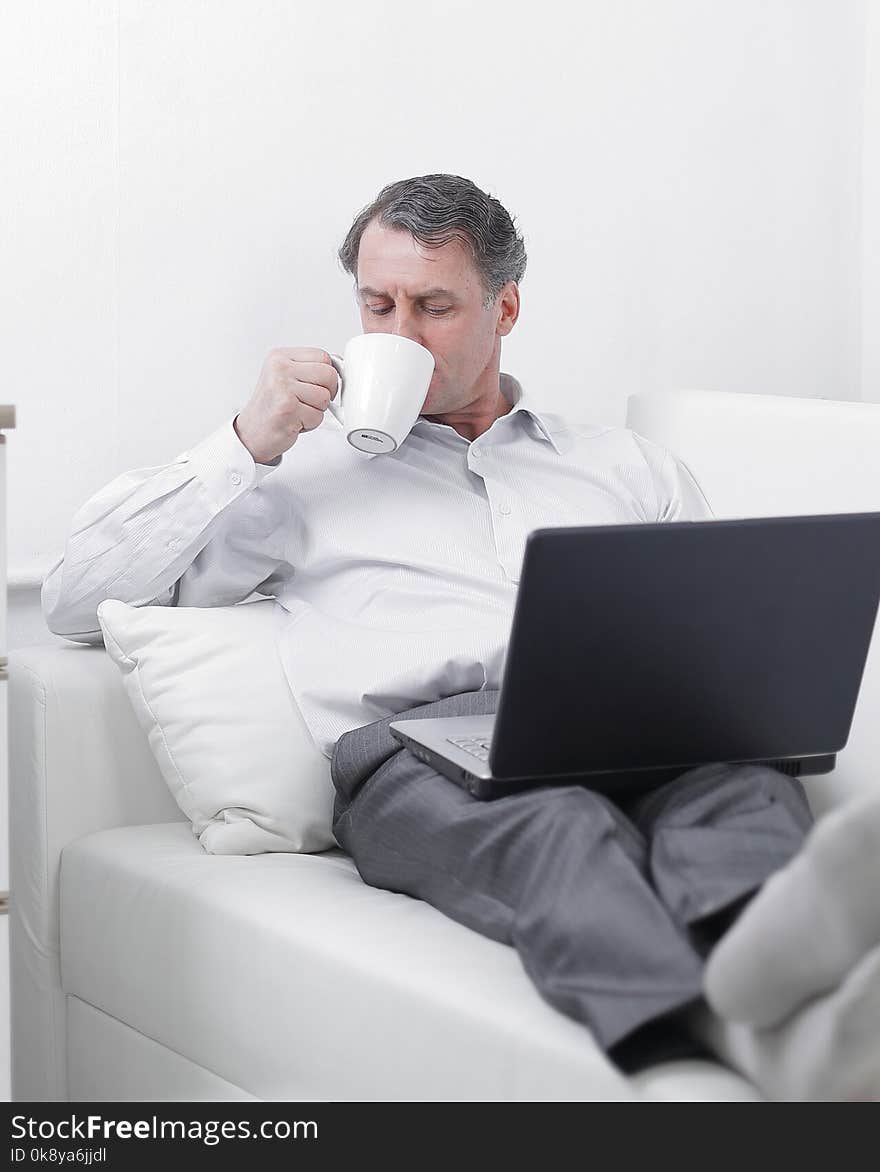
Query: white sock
x=827, y=1050
x=809, y=925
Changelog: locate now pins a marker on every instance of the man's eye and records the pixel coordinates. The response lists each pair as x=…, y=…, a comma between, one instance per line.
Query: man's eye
x=435, y=311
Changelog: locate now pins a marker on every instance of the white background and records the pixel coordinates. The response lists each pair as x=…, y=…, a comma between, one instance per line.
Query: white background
x=695, y=180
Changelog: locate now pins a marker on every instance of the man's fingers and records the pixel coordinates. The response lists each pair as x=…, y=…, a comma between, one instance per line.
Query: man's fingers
x=310, y=417
x=312, y=394
x=320, y=374
x=303, y=354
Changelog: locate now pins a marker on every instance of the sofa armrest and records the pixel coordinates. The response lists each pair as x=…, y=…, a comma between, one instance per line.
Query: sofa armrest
x=79, y=762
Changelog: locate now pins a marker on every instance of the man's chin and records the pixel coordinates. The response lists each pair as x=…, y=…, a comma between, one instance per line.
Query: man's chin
x=431, y=406
x=434, y=404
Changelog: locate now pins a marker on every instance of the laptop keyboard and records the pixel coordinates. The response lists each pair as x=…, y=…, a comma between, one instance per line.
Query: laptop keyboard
x=477, y=746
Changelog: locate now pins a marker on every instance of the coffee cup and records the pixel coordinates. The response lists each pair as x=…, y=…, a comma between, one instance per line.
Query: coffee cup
x=383, y=383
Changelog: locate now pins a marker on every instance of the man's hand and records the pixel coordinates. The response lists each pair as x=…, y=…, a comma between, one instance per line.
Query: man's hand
x=292, y=393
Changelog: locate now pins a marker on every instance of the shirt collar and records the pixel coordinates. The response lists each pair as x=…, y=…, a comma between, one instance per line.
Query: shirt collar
x=548, y=427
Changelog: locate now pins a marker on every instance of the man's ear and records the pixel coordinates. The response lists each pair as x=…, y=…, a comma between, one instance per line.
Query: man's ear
x=508, y=308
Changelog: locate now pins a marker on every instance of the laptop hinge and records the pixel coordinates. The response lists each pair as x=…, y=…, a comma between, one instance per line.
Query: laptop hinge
x=803, y=766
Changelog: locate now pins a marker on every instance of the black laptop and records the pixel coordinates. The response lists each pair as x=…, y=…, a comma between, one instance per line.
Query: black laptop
x=639, y=651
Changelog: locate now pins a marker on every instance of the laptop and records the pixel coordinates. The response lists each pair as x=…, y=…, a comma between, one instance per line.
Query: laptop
x=639, y=651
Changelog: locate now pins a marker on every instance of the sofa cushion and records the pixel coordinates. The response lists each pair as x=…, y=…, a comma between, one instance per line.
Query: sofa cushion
x=208, y=688
x=290, y=978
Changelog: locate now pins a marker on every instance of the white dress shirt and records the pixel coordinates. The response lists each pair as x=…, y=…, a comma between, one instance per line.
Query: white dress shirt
x=397, y=574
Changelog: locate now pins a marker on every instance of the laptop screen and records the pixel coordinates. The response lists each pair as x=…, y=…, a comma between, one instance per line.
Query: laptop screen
x=637, y=646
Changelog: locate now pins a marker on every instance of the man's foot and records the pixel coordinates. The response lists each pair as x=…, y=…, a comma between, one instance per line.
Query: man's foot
x=827, y=1050
x=794, y=987
x=809, y=925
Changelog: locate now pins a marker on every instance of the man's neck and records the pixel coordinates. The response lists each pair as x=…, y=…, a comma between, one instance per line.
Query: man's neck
x=472, y=421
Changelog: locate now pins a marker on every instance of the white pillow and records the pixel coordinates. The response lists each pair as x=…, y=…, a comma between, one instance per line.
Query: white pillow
x=209, y=690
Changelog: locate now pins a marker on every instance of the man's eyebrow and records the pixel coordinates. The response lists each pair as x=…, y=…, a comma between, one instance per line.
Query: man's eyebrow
x=366, y=291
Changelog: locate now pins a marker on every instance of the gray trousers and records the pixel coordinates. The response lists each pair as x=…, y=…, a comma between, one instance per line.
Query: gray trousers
x=611, y=905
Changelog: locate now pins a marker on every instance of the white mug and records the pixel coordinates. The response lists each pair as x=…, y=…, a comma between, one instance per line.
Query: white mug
x=383, y=383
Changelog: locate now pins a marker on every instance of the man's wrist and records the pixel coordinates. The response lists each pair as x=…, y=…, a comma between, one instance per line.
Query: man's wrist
x=256, y=456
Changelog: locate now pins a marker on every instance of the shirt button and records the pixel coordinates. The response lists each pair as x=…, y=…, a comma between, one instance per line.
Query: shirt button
x=174, y=543
x=236, y=479
x=476, y=453
x=504, y=510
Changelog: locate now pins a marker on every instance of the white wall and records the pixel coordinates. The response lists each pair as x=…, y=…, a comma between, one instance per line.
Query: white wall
x=870, y=242
x=179, y=174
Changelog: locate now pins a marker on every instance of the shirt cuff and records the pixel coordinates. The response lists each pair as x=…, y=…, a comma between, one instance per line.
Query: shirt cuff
x=225, y=466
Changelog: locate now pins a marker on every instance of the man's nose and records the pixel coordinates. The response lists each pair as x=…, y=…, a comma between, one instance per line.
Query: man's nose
x=405, y=325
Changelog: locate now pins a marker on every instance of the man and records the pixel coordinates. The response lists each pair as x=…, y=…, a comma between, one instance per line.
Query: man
x=399, y=575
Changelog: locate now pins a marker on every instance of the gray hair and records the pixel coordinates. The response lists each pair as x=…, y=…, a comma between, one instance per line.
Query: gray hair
x=436, y=209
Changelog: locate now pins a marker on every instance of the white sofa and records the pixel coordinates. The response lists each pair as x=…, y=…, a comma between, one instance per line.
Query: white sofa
x=144, y=968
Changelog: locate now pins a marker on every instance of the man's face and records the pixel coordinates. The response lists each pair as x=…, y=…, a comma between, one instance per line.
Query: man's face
x=435, y=297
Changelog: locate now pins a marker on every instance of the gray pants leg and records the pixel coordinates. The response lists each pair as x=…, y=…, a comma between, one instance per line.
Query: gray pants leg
x=600, y=904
